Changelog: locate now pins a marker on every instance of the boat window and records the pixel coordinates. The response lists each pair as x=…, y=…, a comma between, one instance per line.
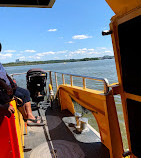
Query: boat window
x=129, y=42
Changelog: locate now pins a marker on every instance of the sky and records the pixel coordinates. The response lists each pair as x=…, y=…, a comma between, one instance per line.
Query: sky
x=70, y=30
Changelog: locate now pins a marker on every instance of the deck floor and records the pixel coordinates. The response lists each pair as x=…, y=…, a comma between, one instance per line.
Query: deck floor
x=59, y=138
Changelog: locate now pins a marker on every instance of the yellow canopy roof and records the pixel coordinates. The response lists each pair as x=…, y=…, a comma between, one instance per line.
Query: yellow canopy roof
x=122, y=6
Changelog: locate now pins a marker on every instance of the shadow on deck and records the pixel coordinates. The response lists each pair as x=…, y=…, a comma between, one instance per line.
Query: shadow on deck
x=60, y=139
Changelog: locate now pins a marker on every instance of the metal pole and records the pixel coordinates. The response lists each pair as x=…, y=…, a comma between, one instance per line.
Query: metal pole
x=106, y=85
x=56, y=80
x=84, y=83
x=63, y=78
x=50, y=77
x=71, y=79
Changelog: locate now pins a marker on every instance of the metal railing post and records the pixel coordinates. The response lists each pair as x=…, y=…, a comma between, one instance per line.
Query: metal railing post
x=63, y=78
x=106, y=85
x=71, y=79
x=56, y=80
x=50, y=77
x=84, y=83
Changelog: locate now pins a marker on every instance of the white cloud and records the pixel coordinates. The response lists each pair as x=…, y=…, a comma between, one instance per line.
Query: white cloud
x=37, y=58
x=69, y=42
x=40, y=54
x=76, y=54
x=4, y=56
x=103, y=48
x=9, y=51
x=56, y=58
x=30, y=51
x=107, y=51
x=50, y=53
x=84, y=51
x=22, y=58
x=20, y=54
x=104, y=51
x=52, y=30
x=81, y=37
x=45, y=53
x=61, y=52
x=34, y=57
x=91, y=49
x=90, y=52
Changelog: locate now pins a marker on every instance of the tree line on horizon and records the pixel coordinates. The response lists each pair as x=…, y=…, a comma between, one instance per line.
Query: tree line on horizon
x=20, y=63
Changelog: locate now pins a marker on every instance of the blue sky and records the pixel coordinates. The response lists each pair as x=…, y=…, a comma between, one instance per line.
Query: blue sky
x=70, y=30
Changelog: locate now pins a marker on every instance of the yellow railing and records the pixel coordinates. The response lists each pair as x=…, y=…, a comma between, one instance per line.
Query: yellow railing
x=19, y=128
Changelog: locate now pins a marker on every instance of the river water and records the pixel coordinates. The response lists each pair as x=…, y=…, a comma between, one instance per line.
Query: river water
x=98, y=68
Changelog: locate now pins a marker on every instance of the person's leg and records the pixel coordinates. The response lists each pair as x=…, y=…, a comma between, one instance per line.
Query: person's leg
x=21, y=107
x=25, y=110
x=29, y=113
x=29, y=110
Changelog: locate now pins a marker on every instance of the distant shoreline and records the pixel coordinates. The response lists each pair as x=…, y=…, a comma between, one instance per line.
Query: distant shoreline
x=21, y=63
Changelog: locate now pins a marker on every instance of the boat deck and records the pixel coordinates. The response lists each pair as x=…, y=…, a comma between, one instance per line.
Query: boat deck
x=59, y=138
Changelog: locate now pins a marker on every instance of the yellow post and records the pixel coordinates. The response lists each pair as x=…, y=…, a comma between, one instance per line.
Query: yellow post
x=19, y=128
